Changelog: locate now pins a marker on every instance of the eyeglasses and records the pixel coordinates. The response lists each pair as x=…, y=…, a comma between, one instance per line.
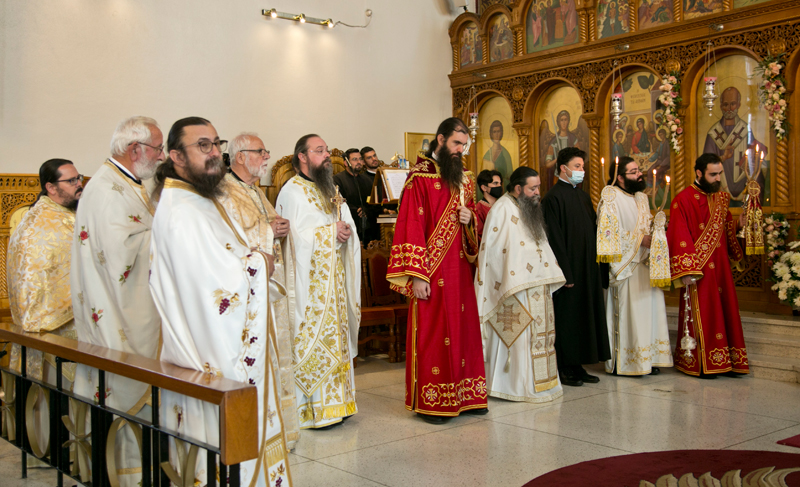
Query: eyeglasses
x=320, y=150
x=205, y=145
x=73, y=181
x=635, y=171
x=260, y=152
x=159, y=148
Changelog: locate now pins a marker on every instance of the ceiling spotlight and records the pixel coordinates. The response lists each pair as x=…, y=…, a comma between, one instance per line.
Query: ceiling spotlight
x=302, y=18
x=273, y=13
x=330, y=23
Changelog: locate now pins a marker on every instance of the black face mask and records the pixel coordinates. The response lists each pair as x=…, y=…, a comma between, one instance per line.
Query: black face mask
x=496, y=192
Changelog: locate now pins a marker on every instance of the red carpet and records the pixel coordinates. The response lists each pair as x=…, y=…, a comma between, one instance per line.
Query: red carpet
x=793, y=441
x=630, y=470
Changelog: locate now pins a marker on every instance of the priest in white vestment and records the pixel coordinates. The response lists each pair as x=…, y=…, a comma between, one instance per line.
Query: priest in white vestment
x=327, y=256
x=517, y=274
x=110, y=269
x=267, y=232
x=635, y=310
x=213, y=294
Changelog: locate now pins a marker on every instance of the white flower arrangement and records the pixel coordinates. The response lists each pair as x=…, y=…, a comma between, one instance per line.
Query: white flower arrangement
x=783, y=259
x=671, y=99
x=772, y=93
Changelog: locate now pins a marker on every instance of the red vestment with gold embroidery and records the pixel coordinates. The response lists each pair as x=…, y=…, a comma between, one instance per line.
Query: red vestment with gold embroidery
x=481, y=210
x=444, y=367
x=702, y=240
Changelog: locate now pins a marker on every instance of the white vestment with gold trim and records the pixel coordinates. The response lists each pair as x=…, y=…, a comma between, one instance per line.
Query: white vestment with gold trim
x=635, y=311
x=213, y=294
x=514, y=285
x=249, y=207
x=328, y=305
x=111, y=297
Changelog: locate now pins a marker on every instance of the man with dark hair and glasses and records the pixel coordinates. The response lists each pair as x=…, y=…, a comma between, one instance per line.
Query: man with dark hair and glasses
x=327, y=312
x=638, y=266
x=267, y=232
x=213, y=293
x=38, y=274
x=110, y=268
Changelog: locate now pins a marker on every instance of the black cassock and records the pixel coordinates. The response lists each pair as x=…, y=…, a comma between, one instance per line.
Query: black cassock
x=581, y=331
x=356, y=189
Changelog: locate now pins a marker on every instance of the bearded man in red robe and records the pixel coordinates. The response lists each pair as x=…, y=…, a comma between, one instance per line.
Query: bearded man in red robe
x=432, y=261
x=702, y=240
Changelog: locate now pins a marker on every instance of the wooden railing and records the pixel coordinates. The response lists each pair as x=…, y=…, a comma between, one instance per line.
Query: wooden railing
x=238, y=409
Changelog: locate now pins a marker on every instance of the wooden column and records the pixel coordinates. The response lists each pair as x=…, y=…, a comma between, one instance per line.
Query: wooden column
x=519, y=35
x=524, y=133
x=583, y=29
x=677, y=11
x=781, y=197
x=485, y=48
x=456, y=60
x=633, y=17
x=592, y=166
x=680, y=181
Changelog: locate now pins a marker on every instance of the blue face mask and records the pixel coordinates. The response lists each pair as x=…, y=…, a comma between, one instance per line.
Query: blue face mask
x=576, y=178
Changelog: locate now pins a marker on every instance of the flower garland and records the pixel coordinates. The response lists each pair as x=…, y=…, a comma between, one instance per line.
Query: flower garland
x=671, y=99
x=772, y=93
x=783, y=260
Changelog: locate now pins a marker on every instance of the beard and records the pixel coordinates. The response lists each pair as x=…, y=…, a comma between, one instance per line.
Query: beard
x=707, y=187
x=258, y=171
x=635, y=186
x=145, y=168
x=322, y=176
x=207, y=183
x=70, y=201
x=530, y=210
x=451, y=168
x=729, y=115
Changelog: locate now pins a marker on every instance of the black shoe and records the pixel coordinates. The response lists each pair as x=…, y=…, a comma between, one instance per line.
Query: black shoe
x=708, y=376
x=477, y=412
x=587, y=377
x=433, y=419
x=654, y=371
x=568, y=378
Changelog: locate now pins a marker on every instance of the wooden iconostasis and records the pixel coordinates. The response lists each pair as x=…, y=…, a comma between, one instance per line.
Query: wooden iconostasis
x=541, y=75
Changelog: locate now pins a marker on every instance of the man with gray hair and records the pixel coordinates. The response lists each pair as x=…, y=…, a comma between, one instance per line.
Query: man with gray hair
x=110, y=267
x=267, y=232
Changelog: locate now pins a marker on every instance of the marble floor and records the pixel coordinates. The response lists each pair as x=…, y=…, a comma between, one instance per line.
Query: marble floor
x=385, y=445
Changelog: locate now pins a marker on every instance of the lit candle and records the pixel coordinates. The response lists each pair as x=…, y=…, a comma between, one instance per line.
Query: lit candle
x=602, y=167
x=666, y=193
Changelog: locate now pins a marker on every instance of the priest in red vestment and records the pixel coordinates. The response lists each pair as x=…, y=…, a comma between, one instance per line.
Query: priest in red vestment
x=490, y=182
x=702, y=239
x=432, y=261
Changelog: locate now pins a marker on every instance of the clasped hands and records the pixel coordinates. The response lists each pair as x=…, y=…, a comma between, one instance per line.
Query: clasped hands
x=343, y=231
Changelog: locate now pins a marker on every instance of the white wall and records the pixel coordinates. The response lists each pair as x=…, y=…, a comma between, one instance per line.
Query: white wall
x=71, y=69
